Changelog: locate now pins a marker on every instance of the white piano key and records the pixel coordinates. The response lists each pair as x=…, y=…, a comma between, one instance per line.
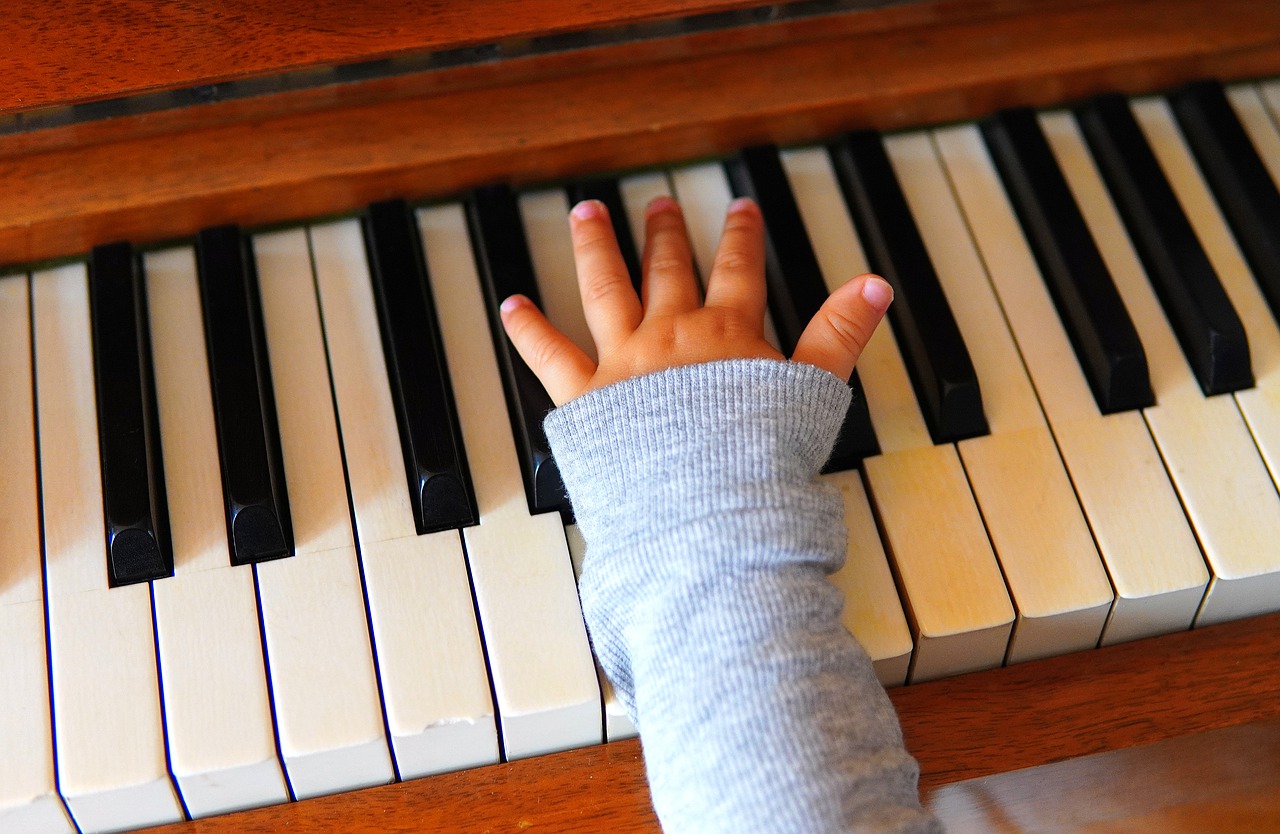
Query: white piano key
x=29, y=798
x=222, y=748
x=1242, y=549
x=873, y=611
x=545, y=214
x=1149, y=550
x=1050, y=563
x=638, y=191
x=546, y=223
x=435, y=686
x=1255, y=110
x=956, y=599
x=323, y=682
x=543, y=674
x=617, y=724
x=705, y=194
x=106, y=696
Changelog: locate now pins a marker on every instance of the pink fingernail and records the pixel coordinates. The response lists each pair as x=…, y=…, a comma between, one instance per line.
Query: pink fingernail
x=512, y=303
x=663, y=203
x=877, y=292
x=588, y=209
x=741, y=204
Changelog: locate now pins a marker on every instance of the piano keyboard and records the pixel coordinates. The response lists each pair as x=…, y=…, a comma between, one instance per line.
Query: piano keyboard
x=337, y=563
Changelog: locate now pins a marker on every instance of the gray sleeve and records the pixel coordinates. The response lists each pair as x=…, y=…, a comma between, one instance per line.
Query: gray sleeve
x=709, y=538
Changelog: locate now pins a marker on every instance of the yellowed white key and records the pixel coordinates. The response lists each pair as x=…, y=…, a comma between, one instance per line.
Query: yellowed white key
x=1142, y=534
x=29, y=798
x=1244, y=548
x=435, y=684
x=222, y=746
x=1050, y=564
x=873, y=612
x=106, y=692
x=960, y=609
x=328, y=713
x=540, y=663
x=545, y=216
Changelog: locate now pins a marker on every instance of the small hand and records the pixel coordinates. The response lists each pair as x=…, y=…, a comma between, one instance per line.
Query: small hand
x=672, y=326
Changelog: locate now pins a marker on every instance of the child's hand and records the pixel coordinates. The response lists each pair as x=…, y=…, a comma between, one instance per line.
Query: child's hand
x=672, y=326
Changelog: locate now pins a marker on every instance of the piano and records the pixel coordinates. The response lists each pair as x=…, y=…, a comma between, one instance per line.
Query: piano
x=162, y=127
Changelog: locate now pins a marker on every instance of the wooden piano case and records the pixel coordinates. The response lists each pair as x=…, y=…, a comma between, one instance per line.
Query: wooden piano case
x=1180, y=733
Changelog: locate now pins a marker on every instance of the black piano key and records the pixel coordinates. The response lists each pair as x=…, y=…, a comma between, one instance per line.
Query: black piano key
x=796, y=289
x=1244, y=189
x=502, y=255
x=430, y=436
x=607, y=192
x=1105, y=340
x=936, y=357
x=1207, y=326
x=244, y=410
x=139, y=547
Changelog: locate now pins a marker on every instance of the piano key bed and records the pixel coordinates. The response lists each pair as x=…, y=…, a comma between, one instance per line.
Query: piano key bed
x=359, y=563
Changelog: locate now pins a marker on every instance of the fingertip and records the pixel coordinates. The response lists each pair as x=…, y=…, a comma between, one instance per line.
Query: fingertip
x=660, y=204
x=587, y=209
x=513, y=303
x=877, y=292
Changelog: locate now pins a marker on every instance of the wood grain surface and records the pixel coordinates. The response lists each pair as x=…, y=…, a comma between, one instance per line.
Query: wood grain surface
x=159, y=176
x=73, y=51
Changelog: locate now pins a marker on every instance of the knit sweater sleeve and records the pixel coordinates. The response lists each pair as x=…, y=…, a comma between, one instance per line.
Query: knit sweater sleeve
x=709, y=537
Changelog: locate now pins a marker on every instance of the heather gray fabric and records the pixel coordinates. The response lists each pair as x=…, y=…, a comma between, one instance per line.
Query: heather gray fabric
x=708, y=541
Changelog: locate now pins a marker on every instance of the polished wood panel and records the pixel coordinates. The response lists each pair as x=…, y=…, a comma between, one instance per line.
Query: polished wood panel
x=70, y=51
x=1219, y=780
x=1160, y=693
x=595, y=110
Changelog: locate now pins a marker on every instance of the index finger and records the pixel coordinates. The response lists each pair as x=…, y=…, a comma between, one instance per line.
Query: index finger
x=609, y=302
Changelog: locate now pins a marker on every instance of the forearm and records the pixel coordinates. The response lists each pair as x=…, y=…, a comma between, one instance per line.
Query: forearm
x=709, y=539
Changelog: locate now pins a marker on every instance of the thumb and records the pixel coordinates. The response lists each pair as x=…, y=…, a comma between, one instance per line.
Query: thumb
x=559, y=364
x=833, y=340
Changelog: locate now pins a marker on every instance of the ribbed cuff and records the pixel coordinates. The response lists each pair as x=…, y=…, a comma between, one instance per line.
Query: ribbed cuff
x=661, y=449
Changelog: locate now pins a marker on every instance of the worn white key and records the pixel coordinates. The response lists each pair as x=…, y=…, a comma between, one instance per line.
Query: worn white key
x=872, y=612
x=1050, y=563
x=328, y=713
x=956, y=598
x=617, y=724
x=1270, y=93
x=29, y=798
x=1149, y=550
x=705, y=194
x=543, y=674
x=638, y=191
x=435, y=685
x=106, y=696
x=1239, y=510
x=546, y=222
x=222, y=748
x=545, y=214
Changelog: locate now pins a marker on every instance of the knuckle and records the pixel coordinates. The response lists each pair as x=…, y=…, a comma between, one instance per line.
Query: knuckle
x=850, y=332
x=602, y=287
x=734, y=259
x=666, y=263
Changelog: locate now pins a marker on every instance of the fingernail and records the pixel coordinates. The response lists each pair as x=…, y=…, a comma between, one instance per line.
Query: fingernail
x=588, y=209
x=877, y=292
x=657, y=204
x=741, y=204
x=512, y=303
